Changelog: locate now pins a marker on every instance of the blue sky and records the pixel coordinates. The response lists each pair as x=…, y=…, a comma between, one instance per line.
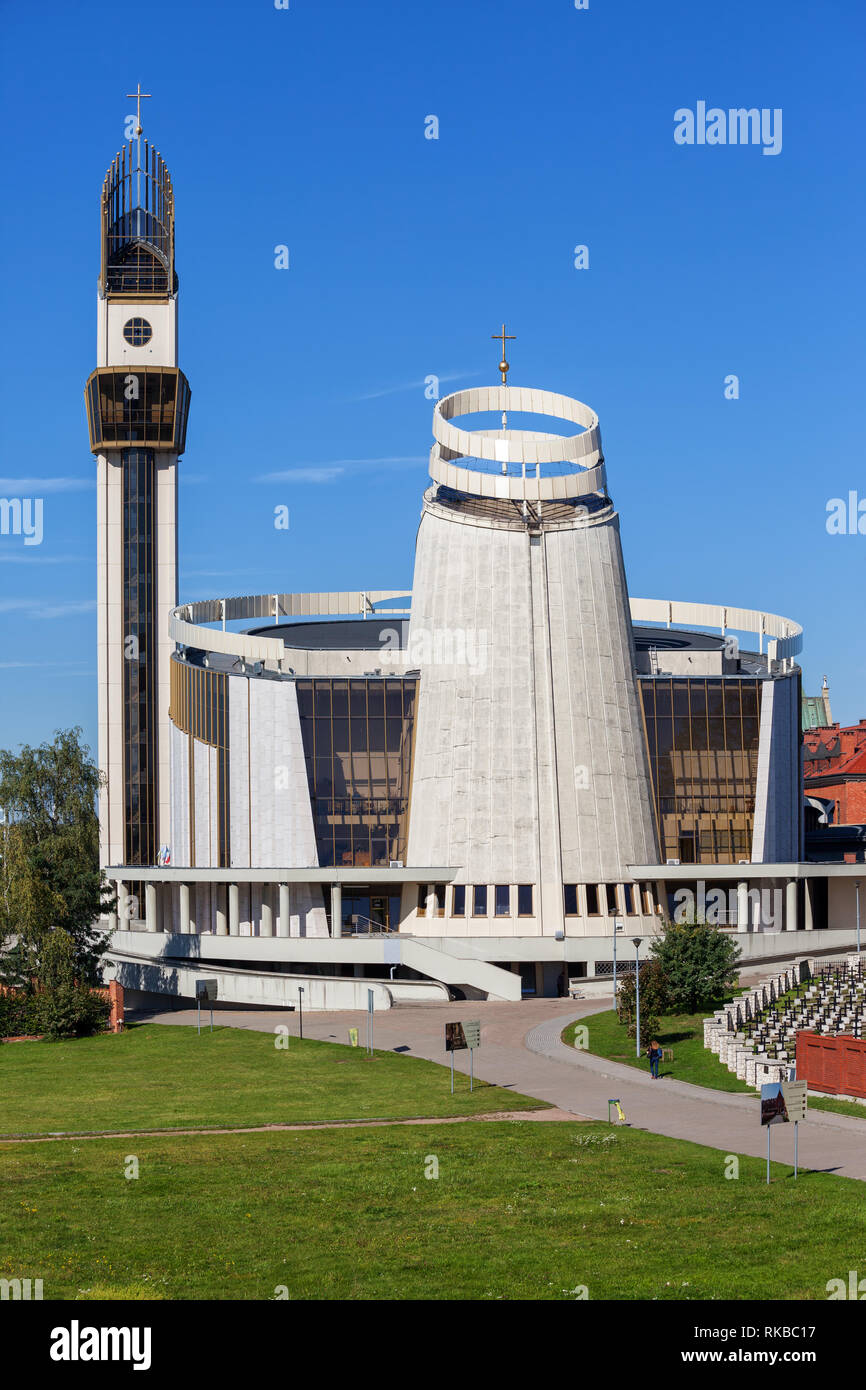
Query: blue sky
x=306, y=128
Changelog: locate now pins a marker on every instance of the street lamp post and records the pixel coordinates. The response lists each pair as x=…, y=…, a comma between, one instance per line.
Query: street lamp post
x=636, y=944
x=617, y=926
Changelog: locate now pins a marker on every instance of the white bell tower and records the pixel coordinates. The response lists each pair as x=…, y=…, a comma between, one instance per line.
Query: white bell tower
x=137, y=407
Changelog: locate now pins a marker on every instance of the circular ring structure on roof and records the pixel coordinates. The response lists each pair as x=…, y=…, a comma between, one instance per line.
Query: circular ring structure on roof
x=534, y=465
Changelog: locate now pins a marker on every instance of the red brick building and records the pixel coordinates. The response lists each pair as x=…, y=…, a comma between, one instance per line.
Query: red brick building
x=834, y=769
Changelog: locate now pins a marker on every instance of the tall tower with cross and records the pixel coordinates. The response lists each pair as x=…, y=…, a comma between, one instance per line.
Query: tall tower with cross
x=137, y=404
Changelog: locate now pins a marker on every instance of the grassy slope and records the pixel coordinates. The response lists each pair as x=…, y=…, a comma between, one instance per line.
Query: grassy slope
x=519, y=1210
x=160, y=1077
x=684, y=1033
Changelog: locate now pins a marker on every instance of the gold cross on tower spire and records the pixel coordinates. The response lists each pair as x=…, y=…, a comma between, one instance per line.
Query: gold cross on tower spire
x=503, y=365
x=139, y=96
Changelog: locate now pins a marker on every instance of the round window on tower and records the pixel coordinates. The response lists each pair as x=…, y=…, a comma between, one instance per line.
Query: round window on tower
x=137, y=332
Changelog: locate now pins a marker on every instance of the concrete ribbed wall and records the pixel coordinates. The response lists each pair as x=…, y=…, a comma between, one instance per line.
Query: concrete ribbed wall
x=530, y=764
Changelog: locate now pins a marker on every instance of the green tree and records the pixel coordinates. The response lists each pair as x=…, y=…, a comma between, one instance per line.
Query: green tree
x=699, y=962
x=654, y=999
x=49, y=857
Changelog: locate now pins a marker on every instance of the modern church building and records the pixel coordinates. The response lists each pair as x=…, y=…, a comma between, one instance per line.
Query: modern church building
x=468, y=783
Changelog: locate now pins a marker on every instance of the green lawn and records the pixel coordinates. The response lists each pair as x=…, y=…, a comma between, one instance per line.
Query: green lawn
x=693, y=1062
x=165, y=1077
x=520, y=1210
x=684, y=1033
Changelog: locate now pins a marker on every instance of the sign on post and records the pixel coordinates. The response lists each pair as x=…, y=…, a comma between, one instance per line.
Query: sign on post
x=795, y=1093
x=206, y=992
x=773, y=1111
x=459, y=1037
x=371, y=1002
x=773, y=1108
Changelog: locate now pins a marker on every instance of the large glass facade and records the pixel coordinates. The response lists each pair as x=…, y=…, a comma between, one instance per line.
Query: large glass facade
x=358, y=738
x=139, y=650
x=702, y=739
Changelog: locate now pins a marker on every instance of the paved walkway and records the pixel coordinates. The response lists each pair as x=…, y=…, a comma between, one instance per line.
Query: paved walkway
x=521, y=1050
x=57, y=1138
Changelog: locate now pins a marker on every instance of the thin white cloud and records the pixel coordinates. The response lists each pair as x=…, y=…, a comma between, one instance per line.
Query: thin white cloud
x=413, y=385
x=27, y=557
x=46, y=608
x=215, y=574
x=32, y=487
x=327, y=472
x=72, y=668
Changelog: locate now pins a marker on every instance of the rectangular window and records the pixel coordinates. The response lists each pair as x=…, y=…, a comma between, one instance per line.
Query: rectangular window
x=612, y=904
x=524, y=900
x=458, y=900
x=479, y=900
x=502, y=899
x=422, y=899
x=571, y=907
x=439, y=890
x=628, y=894
x=592, y=899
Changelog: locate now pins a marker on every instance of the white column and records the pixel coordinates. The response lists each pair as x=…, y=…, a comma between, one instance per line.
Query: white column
x=234, y=911
x=284, y=923
x=336, y=910
x=184, y=908
x=791, y=905
x=113, y=916
x=266, y=927
x=150, y=907
x=222, y=928
x=743, y=905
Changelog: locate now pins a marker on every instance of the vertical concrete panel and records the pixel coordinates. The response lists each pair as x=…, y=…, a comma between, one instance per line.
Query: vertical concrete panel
x=239, y=771
x=495, y=792
x=180, y=841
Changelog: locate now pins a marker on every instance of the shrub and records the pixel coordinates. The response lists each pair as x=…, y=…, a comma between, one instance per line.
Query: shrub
x=72, y=1011
x=67, y=1011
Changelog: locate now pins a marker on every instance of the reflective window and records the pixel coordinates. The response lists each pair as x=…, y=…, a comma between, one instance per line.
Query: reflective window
x=458, y=900
x=502, y=900
x=524, y=900
x=358, y=737
x=479, y=900
x=702, y=741
x=592, y=907
x=611, y=899
x=571, y=905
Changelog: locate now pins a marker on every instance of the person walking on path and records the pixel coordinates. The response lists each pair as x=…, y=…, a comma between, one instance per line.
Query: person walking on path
x=654, y=1053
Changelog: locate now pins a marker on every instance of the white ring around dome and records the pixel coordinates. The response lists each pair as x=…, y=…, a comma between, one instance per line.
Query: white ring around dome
x=583, y=449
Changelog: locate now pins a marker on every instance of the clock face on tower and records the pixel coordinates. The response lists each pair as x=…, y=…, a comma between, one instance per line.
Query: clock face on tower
x=137, y=332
